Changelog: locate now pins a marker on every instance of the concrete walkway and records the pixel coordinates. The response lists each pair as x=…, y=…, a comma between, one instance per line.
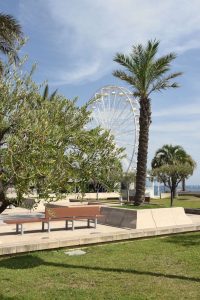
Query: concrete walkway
x=33, y=239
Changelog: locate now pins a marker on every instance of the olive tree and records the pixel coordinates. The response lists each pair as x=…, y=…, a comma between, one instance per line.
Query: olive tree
x=98, y=160
x=171, y=165
x=43, y=140
x=172, y=175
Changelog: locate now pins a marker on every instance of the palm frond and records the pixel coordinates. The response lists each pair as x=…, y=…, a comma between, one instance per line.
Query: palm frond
x=172, y=155
x=159, y=67
x=125, y=61
x=46, y=96
x=147, y=71
x=152, y=47
x=124, y=76
x=46, y=92
x=5, y=48
x=143, y=57
x=173, y=75
x=53, y=95
x=164, y=83
x=10, y=35
x=9, y=27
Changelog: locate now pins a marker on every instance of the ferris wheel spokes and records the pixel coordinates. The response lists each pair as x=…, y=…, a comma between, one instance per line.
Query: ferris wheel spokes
x=117, y=110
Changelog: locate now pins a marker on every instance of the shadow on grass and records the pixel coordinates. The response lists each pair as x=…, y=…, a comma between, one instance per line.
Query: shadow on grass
x=184, y=240
x=29, y=261
x=3, y=297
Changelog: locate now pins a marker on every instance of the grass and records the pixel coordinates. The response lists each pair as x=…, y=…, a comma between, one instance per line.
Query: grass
x=159, y=268
x=181, y=201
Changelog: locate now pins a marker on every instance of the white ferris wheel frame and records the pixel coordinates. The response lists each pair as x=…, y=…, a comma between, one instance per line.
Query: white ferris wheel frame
x=100, y=96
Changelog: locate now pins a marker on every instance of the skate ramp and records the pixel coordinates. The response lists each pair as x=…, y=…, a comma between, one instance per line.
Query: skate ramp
x=144, y=218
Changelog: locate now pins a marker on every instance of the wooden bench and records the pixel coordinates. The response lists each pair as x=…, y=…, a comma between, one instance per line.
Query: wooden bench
x=65, y=213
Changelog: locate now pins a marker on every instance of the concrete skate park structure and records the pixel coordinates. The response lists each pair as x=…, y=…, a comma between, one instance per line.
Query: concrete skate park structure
x=145, y=218
x=118, y=224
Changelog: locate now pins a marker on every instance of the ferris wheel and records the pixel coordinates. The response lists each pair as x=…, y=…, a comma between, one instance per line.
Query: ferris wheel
x=118, y=111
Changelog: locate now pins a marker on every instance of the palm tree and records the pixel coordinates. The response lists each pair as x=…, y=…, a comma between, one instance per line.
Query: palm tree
x=146, y=74
x=169, y=155
x=172, y=155
x=10, y=36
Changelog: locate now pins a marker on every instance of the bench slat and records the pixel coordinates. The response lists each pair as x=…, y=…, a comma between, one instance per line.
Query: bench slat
x=73, y=211
x=24, y=220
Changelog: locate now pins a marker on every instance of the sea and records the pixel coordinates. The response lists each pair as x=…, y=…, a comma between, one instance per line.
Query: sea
x=188, y=188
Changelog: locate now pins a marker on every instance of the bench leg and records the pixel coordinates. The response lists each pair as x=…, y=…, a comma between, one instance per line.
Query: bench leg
x=17, y=228
x=88, y=223
x=95, y=223
x=49, y=228
x=72, y=224
x=22, y=229
x=66, y=224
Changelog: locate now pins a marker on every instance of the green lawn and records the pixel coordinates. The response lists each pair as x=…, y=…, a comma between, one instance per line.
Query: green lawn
x=181, y=201
x=159, y=268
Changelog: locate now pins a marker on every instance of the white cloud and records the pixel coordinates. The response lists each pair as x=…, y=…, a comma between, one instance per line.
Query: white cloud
x=91, y=32
x=77, y=74
x=183, y=127
x=181, y=110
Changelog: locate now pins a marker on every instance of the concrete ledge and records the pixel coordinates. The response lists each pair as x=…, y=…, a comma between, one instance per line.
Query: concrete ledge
x=89, y=240
x=144, y=218
x=119, y=217
x=195, y=211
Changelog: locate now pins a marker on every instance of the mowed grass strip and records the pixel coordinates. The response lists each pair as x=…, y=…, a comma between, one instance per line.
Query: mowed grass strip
x=158, y=268
x=181, y=201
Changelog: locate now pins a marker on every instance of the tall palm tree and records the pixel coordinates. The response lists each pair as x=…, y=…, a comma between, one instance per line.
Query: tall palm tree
x=146, y=74
x=172, y=155
x=10, y=35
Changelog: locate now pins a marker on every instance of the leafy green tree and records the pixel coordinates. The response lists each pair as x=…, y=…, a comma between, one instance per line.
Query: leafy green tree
x=146, y=74
x=172, y=155
x=98, y=160
x=11, y=36
x=172, y=175
x=171, y=165
x=46, y=93
x=44, y=143
x=169, y=154
x=192, y=164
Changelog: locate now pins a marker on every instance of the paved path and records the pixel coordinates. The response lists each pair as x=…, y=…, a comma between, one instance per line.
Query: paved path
x=33, y=239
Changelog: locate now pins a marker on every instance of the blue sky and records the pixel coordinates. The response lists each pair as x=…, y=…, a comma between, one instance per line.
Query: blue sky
x=73, y=43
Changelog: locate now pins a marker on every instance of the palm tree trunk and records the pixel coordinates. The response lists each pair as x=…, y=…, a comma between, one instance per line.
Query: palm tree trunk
x=183, y=185
x=144, y=122
x=171, y=198
x=3, y=201
x=3, y=206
